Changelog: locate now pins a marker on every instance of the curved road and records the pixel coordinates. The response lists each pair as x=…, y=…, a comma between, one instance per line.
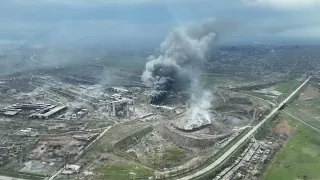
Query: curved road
x=227, y=154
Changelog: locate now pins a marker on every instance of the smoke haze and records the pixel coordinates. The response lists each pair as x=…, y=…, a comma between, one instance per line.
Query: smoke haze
x=200, y=104
x=184, y=49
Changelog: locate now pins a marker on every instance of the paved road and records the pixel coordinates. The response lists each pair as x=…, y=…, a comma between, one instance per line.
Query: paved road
x=224, y=100
x=227, y=154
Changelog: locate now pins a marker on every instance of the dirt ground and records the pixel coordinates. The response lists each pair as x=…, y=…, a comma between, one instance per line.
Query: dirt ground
x=310, y=92
x=282, y=127
x=10, y=178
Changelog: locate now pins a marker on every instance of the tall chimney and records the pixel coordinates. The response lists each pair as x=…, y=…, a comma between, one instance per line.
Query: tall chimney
x=114, y=108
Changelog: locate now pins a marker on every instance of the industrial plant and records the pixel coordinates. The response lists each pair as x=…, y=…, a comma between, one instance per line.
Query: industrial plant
x=57, y=128
x=192, y=109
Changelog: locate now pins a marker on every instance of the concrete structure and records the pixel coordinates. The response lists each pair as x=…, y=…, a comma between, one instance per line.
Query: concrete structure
x=82, y=113
x=167, y=109
x=119, y=90
x=71, y=169
x=123, y=105
x=50, y=113
x=11, y=112
x=246, y=164
x=26, y=109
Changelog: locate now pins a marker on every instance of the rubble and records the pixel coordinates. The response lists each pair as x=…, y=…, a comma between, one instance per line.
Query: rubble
x=70, y=169
x=53, y=124
x=246, y=166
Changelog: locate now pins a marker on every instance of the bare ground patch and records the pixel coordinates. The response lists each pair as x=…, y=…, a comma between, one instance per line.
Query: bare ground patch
x=282, y=127
x=309, y=151
x=309, y=93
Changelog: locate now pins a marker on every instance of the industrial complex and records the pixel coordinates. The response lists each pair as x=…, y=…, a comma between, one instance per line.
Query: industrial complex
x=58, y=129
x=192, y=109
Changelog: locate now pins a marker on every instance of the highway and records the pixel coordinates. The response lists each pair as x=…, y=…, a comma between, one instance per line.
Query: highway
x=228, y=153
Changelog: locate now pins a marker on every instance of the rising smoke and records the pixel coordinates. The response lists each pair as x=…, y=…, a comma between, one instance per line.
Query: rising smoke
x=184, y=49
x=199, y=108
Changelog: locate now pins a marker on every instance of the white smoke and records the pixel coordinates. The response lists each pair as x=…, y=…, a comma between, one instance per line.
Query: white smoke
x=181, y=53
x=200, y=104
x=72, y=106
x=183, y=46
x=184, y=49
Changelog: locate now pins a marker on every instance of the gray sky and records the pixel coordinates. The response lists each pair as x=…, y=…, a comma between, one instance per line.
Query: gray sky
x=114, y=21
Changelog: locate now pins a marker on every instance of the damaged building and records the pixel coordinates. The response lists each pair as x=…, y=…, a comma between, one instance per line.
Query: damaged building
x=38, y=110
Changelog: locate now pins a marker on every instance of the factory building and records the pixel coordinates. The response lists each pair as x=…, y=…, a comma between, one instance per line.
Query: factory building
x=118, y=90
x=119, y=108
x=37, y=110
x=50, y=113
x=167, y=109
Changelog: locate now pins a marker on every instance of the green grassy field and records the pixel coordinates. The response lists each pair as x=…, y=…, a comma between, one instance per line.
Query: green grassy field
x=12, y=170
x=123, y=172
x=300, y=158
x=174, y=155
x=310, y=106
x=170, y=157
x=305, y=116
x=222, y=80
x=116, y=133
x=292, y=122
x=259, y=95
x=288, y=86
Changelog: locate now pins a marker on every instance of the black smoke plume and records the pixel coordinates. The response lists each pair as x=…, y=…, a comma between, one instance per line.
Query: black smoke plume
x=181, y=51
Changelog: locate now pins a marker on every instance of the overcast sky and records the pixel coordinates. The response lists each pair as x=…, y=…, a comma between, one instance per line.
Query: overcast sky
x=146, y=20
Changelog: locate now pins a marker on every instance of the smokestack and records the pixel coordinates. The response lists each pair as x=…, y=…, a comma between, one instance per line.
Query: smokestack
x=127, y=109
x=133, y=105
x=183, y=49
x=113, y=109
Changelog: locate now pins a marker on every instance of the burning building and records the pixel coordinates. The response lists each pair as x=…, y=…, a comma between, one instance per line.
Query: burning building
x=180, y=53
